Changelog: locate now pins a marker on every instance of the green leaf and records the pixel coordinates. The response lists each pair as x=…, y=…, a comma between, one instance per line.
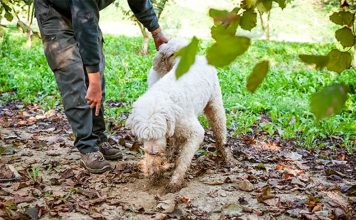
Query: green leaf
x=2, y=150
x=226, y=49
x=345, y=37
x=217, y=14
x=342, y=18
x=330, y=100
x=248, y=3
x=224, y=17
x=264, y=5
x=338, y=61
x=8, y=16
x=282, y=3
x=220, y=31
x=187, y=55
x=319, y=61
x=259, y=72
x=248, y=19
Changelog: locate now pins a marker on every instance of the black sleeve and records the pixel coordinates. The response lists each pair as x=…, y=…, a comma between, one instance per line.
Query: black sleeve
x=85, y=19
x=145, y=13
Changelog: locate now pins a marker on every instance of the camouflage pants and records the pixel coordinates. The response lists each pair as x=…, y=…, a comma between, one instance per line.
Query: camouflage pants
x=63, y=57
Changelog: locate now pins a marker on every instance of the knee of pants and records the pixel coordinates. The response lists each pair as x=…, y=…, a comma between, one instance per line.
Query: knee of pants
x=72, y=86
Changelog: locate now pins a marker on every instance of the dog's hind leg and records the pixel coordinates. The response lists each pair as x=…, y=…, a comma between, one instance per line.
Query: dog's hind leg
x=192, y=131
x=215, y=114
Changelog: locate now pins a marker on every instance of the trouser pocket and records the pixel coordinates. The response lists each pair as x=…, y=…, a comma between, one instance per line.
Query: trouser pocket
x=61, y=51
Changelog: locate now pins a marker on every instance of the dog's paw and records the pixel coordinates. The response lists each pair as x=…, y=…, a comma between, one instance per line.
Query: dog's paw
x=173, y=187
x=228, y=159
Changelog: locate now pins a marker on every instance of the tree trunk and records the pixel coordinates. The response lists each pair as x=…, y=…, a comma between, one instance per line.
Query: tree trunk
x=159, y=7
x=267, y=29
x=265, y=24
x=146, y=39
x=29, y=20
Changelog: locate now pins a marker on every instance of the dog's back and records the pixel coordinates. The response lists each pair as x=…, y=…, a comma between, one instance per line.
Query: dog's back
x=193, y=90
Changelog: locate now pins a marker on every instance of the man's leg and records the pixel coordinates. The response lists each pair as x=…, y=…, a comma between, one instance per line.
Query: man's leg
x=63, y=57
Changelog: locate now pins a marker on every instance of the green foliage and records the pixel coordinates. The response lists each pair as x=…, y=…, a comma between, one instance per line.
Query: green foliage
x=246, y=4
x=188, y=54
x=7, y=8
x=329, y=100
x=342, y=18
x=338, y=60
x=264, y=5
x=2, y=150
x=248, y=19
x=34, y=173
x=283, y=98
x=282, y=3
x=319, y=61
x=226, y=49
x=258, y=74
x=332, y=99
x=228, y=46
x=345, y=37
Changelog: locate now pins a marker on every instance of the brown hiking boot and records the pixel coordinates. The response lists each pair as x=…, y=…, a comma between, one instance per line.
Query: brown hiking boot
x=94, y=162
x=109, y=152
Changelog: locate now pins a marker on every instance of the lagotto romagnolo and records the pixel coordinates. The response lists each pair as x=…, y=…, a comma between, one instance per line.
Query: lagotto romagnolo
x=170, y=109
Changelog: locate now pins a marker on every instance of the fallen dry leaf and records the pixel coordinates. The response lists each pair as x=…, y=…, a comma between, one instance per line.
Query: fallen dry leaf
x=246, y=185
x=20, y=199
x=265, y=194
x=183, y=200
x=231, y=211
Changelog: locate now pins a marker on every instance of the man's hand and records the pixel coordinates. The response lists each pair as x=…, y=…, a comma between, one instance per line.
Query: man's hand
x=158, y=38
x=94, y=93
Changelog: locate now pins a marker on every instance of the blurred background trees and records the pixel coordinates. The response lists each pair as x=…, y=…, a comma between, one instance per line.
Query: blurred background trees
x=158, y=5
x=20, y=12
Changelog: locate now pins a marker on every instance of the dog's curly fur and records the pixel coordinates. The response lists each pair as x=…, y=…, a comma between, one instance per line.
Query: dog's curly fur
x=170, y=108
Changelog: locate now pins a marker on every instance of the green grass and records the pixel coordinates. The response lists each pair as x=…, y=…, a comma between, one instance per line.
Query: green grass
x=282, y=100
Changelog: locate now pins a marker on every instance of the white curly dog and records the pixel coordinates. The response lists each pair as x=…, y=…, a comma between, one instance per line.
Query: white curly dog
x=170, y=109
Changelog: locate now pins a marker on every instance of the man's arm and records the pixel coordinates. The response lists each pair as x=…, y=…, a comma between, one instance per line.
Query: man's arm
x=85, y=19
x=145, y=14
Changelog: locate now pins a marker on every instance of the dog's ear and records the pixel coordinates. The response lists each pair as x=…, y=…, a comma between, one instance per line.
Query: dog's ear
x=163, y=61
x=171, y=124
x=160, y=62
x=170, y=128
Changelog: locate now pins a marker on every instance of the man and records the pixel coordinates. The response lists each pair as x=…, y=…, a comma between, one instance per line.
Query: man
x=73, y=46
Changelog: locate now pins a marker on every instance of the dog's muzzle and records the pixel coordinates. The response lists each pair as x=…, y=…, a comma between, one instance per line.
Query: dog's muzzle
x=153, y=153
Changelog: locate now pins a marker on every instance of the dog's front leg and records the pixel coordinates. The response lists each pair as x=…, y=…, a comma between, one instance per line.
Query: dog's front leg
x=194, y=136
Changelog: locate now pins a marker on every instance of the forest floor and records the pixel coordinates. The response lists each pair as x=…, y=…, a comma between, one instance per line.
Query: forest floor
x=274, y=179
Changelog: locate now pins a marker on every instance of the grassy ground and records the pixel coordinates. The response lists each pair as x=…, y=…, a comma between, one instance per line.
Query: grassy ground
x=279, y=107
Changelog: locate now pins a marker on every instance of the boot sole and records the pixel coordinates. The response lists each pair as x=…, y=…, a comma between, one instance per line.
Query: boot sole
x=113, y=157
x=96, y=171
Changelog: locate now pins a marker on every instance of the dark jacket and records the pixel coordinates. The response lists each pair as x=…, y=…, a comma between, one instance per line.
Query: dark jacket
x=85, y=18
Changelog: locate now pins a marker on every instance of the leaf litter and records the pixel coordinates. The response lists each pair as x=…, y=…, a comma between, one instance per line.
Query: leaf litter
x=273, y=180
